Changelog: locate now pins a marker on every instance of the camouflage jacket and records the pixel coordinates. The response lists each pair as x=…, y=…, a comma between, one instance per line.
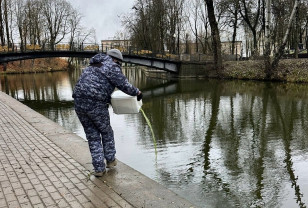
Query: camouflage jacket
x=98, y=83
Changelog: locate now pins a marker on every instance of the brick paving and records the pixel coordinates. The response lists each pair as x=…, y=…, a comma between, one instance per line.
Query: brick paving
x=35, y=172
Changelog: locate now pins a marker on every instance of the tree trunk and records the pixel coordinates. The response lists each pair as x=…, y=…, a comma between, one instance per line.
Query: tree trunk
x=255, y=52
x=178, y=41
x=196, y=38
x=6, y=20
x=21, y=38
x=234, y=28
x=307, y=33
x=297, y=30
x=280, y=51
x=215, y=36
x=196, y=29
x=267, y=58
x=2, y=39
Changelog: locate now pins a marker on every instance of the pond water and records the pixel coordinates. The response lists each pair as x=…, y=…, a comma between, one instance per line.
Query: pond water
x=219, y=143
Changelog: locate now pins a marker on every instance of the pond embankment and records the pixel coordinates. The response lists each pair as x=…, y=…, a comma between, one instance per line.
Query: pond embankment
x=289, y=70
x=35, y=66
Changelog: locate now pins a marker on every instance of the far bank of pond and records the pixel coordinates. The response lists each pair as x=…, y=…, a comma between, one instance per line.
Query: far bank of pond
x=289, y=70
x=35, y=66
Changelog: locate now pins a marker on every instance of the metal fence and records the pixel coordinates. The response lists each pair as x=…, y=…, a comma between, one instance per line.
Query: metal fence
x=93, y=47
x=126, y=50
x=48, y=47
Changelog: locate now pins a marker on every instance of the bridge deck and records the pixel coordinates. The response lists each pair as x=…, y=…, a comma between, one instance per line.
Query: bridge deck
x=162, y=64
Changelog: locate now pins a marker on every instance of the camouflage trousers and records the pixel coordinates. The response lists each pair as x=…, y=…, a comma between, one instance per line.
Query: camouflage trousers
x=95, y=120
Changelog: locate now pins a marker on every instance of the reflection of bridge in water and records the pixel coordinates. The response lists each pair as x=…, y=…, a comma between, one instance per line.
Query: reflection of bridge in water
x=156, y=91
x=162, y=90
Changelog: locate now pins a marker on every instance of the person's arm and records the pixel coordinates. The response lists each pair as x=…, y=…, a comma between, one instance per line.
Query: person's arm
x=117, y=78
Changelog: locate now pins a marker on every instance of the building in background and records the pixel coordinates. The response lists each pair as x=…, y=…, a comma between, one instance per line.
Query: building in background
x=122, y=45
x=187, y=48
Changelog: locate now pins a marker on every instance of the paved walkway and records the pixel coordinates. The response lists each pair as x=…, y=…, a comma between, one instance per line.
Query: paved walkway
x=36, y=172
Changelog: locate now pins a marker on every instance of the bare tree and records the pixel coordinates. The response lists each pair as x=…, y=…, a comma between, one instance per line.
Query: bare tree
x=2, y=36
x=250, y=11
x=197, y=22
x=156, y=25
x=193, y=19
x=138, y=26
x=204, y=39
x=147, y=24
x=215, y=36
x=56, y=13
x=174, y=13
x=74, y=26
x=233, y=21
x=280, y=51
x=6, y=21
x=34, y=22
x=270, y=68
x=299, y=31
x=20, y=18
x=267, y=36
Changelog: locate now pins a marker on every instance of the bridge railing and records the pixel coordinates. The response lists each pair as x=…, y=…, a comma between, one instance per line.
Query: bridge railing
x=93, y=47
x=48, y=47
x=130, y=50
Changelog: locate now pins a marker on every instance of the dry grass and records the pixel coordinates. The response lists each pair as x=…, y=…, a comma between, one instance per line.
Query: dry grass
x=290, y=70
x=35, y=65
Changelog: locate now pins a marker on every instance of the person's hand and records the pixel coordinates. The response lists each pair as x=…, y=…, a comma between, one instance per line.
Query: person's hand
x=139, y=96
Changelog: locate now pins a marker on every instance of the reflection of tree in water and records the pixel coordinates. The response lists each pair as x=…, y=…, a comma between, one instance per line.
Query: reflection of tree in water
x=170, y=110
x=210, y=131
x=235, y=121
x=263, y=143
x=287, y=131
x=42, y=86
x=41, y=93
x=243, y=135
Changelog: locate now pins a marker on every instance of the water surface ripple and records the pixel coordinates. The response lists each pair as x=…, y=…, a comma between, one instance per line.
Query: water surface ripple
x=219, y=143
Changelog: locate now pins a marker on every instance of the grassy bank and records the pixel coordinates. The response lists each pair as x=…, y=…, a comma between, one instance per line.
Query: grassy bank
x=35, y=66
x=289, y=70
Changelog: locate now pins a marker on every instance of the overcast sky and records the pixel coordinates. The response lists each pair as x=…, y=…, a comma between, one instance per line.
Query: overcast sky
x=103, y=15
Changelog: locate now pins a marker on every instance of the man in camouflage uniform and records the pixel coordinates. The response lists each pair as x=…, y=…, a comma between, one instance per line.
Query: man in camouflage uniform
x=92, y=95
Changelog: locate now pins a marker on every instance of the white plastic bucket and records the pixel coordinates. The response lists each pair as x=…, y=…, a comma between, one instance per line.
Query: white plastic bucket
x=124, y=104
